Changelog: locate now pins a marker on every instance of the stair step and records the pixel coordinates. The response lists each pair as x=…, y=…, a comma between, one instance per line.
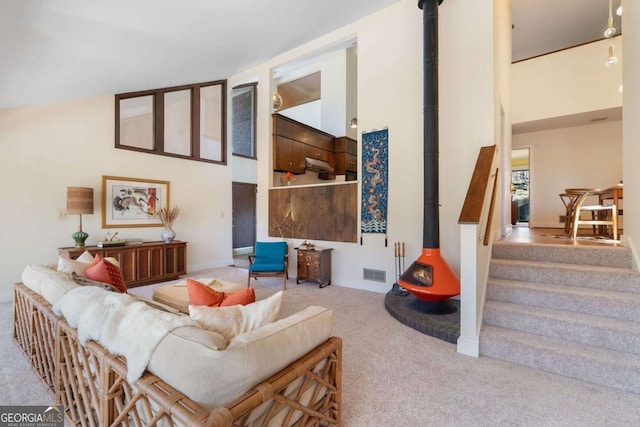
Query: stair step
x=610, y=368
x=604, y=256
x=604, y=332
x=594, y=277
x=597, y=302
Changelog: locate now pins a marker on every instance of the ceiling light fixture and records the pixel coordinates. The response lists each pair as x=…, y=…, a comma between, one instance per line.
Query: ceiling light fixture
x=619, y=9
x=611, y=30
x=611, y=59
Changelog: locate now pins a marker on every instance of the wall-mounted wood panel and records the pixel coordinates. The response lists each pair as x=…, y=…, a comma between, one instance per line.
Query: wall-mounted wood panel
x=328, y=212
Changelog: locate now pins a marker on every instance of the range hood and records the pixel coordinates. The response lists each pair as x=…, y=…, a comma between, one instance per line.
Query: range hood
x=317, y=165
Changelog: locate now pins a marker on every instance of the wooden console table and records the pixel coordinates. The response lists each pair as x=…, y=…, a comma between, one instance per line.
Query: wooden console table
x=314, y=265
x=141, y=263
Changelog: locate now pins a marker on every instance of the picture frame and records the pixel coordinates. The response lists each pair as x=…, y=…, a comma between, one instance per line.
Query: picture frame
x=133, y=202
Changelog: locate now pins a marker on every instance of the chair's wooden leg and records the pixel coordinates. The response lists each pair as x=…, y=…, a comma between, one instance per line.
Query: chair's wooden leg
x=284, y=282
x=576, y=218
x=614, y=219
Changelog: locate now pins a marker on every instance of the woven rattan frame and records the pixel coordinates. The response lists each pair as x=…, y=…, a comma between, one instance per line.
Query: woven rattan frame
x=79, y=377
x=34, y=330
x=91, y=383
x=319, y=373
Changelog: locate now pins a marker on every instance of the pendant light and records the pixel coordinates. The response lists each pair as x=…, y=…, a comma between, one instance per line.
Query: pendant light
x=611, y=59
x=276, y=99
x=611, y=30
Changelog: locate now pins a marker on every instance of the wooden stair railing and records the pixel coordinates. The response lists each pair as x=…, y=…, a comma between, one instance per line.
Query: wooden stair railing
x=472, y=208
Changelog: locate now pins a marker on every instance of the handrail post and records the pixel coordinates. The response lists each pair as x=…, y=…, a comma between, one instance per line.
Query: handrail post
x=474, y=256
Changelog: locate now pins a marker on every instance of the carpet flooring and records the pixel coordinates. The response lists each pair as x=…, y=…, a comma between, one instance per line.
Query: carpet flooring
x=394, y=375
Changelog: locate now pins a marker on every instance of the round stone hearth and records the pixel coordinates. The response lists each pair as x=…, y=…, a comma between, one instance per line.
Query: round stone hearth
x=440, y=320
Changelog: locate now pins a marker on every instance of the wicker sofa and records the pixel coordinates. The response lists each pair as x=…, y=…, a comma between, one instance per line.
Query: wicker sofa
x=92, y=383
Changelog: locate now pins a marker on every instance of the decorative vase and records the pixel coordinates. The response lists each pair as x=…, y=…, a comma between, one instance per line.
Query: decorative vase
x=288, y=182
x=167, y=234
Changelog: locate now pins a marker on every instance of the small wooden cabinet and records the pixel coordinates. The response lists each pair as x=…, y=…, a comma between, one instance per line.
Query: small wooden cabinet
x=314, y=265
x=142, y=263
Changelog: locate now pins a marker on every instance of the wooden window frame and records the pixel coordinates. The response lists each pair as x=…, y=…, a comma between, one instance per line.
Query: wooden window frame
x=158, y=120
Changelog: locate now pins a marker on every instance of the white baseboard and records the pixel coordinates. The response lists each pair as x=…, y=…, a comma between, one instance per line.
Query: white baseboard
x=470, y=348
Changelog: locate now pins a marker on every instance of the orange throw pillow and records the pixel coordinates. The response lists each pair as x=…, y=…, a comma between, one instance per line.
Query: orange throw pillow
x=243, y=297
x=201, y=294
x=106, y=272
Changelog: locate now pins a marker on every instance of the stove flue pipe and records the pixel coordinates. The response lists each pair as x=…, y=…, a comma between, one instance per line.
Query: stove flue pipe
x=429, y=278
x=431, y=220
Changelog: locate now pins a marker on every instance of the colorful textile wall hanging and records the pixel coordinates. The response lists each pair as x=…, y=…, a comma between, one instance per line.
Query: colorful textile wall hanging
x=375, y=182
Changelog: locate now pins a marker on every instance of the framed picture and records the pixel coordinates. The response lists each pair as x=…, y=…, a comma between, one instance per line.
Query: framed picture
x=132, y=202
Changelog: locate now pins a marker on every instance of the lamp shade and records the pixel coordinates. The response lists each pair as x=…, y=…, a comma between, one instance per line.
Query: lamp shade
x=79, y=200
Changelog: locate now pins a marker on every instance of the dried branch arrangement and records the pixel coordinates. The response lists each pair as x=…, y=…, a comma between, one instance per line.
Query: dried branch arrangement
x=168, y=215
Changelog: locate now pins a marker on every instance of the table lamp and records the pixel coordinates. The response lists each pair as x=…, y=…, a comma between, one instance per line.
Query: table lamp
x=79, y=201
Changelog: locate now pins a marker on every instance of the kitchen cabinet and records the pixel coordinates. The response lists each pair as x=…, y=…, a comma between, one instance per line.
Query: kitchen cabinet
x=346, y=156
x=288, y=155
x=143, y=263
x=319, y=154
x=293, y=141
x=314, y=265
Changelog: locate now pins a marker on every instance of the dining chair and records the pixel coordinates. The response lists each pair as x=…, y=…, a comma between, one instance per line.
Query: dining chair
x=599, y=215
x=270, y=259
x=569, y=200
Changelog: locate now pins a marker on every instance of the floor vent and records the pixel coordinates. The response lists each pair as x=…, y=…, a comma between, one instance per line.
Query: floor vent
x=374, y=275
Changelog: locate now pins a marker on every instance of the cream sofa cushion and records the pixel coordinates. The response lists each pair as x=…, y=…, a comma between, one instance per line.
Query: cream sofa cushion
x=236, y=319
x=214, y=378
x=80, y=265
x=51, y=284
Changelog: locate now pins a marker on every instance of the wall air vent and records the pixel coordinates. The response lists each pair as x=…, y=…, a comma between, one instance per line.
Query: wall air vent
x=374, y=275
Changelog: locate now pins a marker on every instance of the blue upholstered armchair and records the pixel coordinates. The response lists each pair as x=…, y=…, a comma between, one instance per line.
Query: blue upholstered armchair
x=270, y=259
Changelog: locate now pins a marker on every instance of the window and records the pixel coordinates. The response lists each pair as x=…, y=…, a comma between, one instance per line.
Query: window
x=243, y=120
x=186, y=121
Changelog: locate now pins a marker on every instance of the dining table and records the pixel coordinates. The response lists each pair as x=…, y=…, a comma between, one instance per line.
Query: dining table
x=612, y=193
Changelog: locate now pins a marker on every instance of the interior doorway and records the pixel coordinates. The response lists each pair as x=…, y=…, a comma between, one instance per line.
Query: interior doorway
x=520, y=185
x=243, y=217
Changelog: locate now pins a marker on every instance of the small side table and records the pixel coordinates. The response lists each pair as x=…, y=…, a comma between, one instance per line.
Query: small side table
x=314, y=265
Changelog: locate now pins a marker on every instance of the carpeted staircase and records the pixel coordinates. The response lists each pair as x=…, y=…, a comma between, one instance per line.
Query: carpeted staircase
x=569, y=310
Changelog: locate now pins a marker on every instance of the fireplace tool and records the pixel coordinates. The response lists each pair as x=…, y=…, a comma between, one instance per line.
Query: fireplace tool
x=398, y=264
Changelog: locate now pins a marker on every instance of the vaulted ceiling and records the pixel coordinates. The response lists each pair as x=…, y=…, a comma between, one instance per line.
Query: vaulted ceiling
x=56, y=50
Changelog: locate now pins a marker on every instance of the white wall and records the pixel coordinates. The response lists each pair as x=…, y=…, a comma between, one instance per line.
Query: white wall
x=390, y=86
x=47, y=148
x=567, y=82
x=467, y=107
x=580, y=156
x=49, y=139
x=333, y=87
x=631, y=127
x=502, y=108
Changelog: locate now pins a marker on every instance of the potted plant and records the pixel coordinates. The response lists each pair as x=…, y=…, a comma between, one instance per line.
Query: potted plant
x=288, y=178
x=168, y=217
